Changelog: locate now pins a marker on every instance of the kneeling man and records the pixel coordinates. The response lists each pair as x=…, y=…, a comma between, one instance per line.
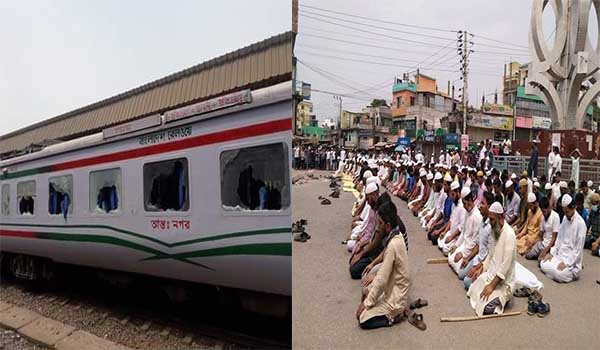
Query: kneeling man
x=490, y=292
x=564, y=262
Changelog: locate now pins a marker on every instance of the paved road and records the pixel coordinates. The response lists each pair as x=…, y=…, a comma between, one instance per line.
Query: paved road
x=325, y=298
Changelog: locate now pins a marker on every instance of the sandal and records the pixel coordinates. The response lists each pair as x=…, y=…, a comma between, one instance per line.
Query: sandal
x=522, y=292
x=325, y=201
x=419, y=303
x=417, y=321
x=303, y=222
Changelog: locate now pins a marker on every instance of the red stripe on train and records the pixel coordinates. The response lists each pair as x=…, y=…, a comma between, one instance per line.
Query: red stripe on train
x=23, y=234
x=200, y=140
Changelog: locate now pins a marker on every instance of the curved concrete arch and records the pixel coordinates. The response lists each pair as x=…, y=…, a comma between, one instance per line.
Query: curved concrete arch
x=545, y=86
x=587, y=99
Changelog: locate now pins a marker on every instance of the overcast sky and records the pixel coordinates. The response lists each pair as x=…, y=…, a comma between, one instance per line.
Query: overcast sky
x=61, y=55
x=504, y=20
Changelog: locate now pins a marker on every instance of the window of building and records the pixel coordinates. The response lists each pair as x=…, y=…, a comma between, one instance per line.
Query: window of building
x=26, y=197
x=105, y=190
x=255, y=178
x=412, y=100
x=166, y=185
x=5, y=200
x=60, y=195
x=399, y=101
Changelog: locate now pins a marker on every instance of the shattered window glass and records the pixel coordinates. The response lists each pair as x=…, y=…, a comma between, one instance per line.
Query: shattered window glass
x=26, y=197
x=105, y=190
x=255, y=178
x=60, y=195
x=166, y=185
x=5, y=200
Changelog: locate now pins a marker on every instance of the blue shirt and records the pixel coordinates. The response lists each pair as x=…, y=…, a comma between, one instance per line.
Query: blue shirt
x=447, y=209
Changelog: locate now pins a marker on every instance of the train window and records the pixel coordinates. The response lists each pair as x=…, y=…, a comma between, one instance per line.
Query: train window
x=60, y=195
x=255, y=178
x=105, y=190
x=5, y=200
x=26, y=197
x=166, y=185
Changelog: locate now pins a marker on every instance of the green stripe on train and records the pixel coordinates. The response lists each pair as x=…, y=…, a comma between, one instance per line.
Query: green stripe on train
x=152, y=239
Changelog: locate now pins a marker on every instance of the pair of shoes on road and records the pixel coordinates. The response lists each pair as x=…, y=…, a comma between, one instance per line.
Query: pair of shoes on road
x=325, y=201
x=335, y=194
x=301, y=236
x=523, y=292
x=536, y=306
x=419, y=303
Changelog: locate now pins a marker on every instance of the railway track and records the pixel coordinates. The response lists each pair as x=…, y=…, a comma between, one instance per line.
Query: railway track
x=142, y=317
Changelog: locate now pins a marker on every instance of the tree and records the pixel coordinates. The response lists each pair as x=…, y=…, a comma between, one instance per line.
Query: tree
x=378, y=102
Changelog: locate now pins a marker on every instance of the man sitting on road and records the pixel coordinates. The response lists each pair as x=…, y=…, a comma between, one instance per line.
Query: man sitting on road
x=513, y=201
x=457, y=219
x=474, y=268
x=530, y=233
x=490, y=292
x=422, y=189
x=564, y=262
x=467, y=240
x=592, y=240
x=386, y=298
x=442, y=213
x=437, y=206
x=549, y=229
x=523, y=207
x=364, y=230
x=427, y=195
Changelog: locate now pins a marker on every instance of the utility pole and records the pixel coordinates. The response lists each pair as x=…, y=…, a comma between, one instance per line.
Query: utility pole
x=464, y=51
x=339, y=120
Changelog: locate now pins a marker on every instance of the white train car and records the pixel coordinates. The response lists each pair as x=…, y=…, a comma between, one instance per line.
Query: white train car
x=199, y=194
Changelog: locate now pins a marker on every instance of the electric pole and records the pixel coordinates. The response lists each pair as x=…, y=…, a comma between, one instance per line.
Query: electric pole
x=339, y=120
x=464, y=52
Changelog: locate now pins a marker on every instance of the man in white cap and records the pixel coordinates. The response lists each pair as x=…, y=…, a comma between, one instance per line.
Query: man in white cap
x=474, y=261
x=549, y=230
x=564, y=189
x=421, y=190
x=530, y=233
x=457, y=219
x=427, y=195
x=436, y=219
x=433, y=196
x=490, y=292
x=358, y=207
x=564, y=262
x=468, y=238
x=550, y=161
x=364, y=229
x=513, y=201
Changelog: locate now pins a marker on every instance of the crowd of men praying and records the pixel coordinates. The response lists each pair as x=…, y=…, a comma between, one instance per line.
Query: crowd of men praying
x=479, y=218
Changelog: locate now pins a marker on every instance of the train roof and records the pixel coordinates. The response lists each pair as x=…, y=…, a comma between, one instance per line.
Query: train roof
x=259, y=65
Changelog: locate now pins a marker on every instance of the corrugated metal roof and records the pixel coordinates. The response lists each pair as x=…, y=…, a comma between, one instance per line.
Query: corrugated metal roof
x=261, y=64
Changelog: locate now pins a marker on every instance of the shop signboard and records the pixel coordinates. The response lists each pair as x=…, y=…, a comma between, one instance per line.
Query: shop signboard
x=429, y=136
x=541, y=123
x=497, y=109
x=452, y=139
x=524, y=122
x=491, y=122
x=464, y=142
x=403, y=141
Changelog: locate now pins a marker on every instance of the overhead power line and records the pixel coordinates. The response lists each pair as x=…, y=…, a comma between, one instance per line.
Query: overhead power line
x=371, y=32
x=379, y=20
x=499, y=41
x=304, y=12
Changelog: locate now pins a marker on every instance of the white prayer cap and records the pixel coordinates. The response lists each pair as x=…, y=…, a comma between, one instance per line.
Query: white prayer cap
x=536, y=184
x=422, y=172
x=508, y=184
x=429, y=176
x=445, y=166
x=513, y=176
x=534, y=179
x=496, y=208
x=367, y=174
x=447, y=177
x=488, y=173
x=438, y=176
x=590, y=183
x=372, y=187
x=454, y=185
x=563, y=184
x=398, y=164
x=548, y=186
x=531, y=197
x=566, y=200
x=465, y=192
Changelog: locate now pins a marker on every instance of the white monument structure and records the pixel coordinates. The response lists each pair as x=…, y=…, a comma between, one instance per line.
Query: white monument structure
x=565, y=76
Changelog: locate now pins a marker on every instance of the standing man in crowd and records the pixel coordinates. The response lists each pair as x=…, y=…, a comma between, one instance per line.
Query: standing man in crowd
x=533, y=160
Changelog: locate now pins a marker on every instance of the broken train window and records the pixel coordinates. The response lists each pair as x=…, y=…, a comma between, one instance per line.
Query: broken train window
x=255, y=178
x=105, y=190
x=26, y=197
x=60, y=195
x=166, y=185
x=5, y=200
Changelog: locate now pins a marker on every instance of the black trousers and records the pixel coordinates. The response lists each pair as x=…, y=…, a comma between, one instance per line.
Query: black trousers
x=375, y=322
x=357, y=269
